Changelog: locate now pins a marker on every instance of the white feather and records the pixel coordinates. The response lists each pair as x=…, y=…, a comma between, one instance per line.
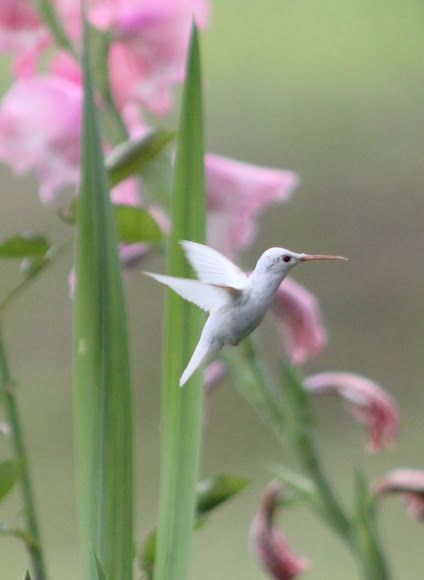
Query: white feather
x=201, y=353
x=206, y=297
x=212, y=267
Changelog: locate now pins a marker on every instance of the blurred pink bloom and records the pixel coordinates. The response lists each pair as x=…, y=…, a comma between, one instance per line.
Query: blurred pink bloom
x=40, y=124
x=237, y=193
x=148, y=56
x=298, y=315
x=214, y=372
x=64, y=65
x=21, y=33
x=370, y=404
x=269, y=543
x=410, y=484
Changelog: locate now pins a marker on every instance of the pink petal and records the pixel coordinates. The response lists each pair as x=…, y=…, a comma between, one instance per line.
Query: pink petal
x=410, y=484
x=237, y=193
x=149, y=55
x=214, y=372
x=370, y=404
x=269, y=543
x=299, y=321
x=40, y=120
x=21, y=29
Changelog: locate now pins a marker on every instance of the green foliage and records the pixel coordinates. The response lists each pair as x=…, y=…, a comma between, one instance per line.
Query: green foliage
x=299, y=423
x=135, y=224
x=214, y=491
x=372, y=556
x=9, y=473
x=100, y=572
x=24, y=246
x=133, y=157
x=182, y=409
x=51, y=18
x=211, y=493
x=102, y=370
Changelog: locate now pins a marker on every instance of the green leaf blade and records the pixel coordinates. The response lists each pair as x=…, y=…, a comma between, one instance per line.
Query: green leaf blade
x=24, y=246
x=136, y=225
x=182, y=409
x=214, y=491
x=132, y=157
x=9, y=474
x=370, y=551
x=102, y=370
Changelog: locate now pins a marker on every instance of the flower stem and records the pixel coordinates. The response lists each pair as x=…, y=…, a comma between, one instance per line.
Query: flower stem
x=34, y=547
x=298, y=404
x=53, y=22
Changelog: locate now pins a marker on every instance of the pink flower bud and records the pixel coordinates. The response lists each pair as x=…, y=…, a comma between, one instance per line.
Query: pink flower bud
x=237, y=193
x=369, y=403
x=299, y=320
x=269, y=543
x=407, y=482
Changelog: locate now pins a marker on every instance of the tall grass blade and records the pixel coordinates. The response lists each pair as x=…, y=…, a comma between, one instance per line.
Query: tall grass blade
x=103, y=420
x=182, y=408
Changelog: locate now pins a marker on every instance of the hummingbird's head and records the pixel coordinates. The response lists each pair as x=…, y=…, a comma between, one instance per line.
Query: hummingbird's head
x=279, y=261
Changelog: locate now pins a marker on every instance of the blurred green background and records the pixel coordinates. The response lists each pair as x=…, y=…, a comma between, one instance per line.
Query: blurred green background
x=331, y=89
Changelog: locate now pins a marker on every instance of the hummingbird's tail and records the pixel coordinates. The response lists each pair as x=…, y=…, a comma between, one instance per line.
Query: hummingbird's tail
x=201, y=353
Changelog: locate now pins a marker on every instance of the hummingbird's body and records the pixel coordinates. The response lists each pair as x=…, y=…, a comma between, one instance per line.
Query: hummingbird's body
x=236, y=303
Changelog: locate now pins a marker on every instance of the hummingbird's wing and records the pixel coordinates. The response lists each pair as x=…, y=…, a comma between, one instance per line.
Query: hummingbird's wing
x=212, y=267
x=206, y=297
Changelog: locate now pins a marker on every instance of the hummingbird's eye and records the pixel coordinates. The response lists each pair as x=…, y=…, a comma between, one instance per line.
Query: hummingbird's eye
x=286, y=258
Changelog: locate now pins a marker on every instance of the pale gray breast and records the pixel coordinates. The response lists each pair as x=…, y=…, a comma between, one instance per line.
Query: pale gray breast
x=242, y=317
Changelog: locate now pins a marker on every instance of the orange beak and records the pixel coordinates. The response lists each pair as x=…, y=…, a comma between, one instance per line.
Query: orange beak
x=310, y=257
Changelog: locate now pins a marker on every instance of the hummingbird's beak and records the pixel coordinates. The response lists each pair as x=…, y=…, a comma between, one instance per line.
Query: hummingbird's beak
x=310, y=257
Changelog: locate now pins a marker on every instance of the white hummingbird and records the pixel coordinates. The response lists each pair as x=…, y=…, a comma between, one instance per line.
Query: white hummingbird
x=236, y=302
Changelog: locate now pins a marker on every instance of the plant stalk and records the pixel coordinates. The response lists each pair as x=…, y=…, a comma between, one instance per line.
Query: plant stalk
x=34, y=547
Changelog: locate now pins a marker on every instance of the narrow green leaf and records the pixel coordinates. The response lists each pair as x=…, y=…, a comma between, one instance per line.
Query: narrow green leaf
x=371, y=553
x=102, y=370
x=51, y=18
x=27, y=575
x=212, y=492
x=135, y=224
x=133, y=157
x=100, y=572
x=9, y=474
x=24, y=246
x=182, y=409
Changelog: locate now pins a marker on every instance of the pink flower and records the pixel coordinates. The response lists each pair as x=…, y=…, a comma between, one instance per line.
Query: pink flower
x=214, y=372
x=269, y=543
x=370, y=404
x=298, y=316
x=148, y=56
x=40, y=123
x=410, y=484
x=237, y=193
x=21, y=32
